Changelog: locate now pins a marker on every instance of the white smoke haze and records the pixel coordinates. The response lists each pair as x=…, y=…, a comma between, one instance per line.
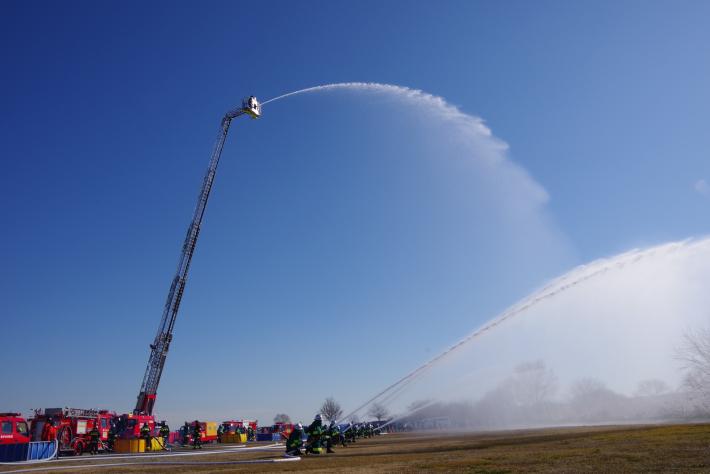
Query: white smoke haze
x=397, y=213
x=603, y=349
x=574, y=351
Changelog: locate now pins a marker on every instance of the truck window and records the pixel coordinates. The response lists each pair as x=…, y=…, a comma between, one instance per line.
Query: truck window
x=22, y=428
x=103, y=423
x=6, y=427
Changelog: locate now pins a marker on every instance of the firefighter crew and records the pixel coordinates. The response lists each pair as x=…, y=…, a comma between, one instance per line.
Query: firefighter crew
x=94, y=438
x=185, y=431
x=350, y=433
x=325, y=439
x=295, y=441
x=111, y=438
x=315, y=433
x=196, y=436
x=336, y=436
x=145, y=435
x=331, y=437
x=164, y=433
x=49, y=432
x=251, y=436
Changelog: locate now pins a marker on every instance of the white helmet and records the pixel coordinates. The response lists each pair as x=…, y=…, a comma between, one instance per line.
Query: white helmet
x=299, y=426
x=318, y=417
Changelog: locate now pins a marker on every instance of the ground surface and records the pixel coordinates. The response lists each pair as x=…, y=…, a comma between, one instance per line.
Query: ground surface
x=675, y=448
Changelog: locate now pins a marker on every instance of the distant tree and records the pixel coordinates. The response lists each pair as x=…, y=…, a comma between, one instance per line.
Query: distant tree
x=282, y=418
x=533, y=383
x=651, y=388
x=331, y=410
x=694, y=353
x=587, y=388
x=378, y=411
x=592, y=401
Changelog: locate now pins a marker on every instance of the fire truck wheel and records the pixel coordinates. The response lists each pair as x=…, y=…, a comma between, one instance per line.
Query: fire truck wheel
x=78, y=448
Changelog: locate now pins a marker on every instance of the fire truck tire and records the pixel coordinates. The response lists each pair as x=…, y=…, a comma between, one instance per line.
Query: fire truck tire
x=78, y=448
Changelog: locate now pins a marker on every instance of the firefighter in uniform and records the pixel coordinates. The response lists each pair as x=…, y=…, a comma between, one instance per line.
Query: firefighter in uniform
x=196, y=436
x=315, y=433
x=295, y=441
x=49, y=432
x=164, y=433
x=145, y=435
x=220, y=432
x=250, y=434
x=350, y=432
x=185, y=431
x=95, y=437
x=325, y=437
x=111, y=438
x=332, y=435
x=337, y=436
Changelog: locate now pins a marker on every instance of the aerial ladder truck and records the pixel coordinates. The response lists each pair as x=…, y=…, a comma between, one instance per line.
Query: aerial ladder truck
x=159, y=348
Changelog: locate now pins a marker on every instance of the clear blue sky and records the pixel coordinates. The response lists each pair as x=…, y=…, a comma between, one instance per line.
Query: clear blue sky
x=302, y=285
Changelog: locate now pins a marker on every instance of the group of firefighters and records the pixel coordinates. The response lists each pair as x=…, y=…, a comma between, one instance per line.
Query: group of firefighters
x=49, y=433
x=319, y=435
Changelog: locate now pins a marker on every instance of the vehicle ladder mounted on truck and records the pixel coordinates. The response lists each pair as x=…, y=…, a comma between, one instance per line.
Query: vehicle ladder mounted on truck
x=161, y=344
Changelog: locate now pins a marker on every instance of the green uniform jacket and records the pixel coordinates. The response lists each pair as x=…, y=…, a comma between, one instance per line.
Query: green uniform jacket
x=294, y=440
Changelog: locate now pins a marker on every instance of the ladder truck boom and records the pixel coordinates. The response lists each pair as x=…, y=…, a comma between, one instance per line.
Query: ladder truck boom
x=161, y=343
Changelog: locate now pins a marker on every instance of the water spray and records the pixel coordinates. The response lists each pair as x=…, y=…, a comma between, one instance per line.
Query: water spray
x=560, y=285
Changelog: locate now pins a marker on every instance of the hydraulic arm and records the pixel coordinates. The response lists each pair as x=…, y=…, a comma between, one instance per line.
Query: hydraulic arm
x=161, y=343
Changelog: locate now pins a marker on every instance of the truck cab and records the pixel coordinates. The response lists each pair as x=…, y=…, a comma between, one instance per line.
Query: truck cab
x=129, y=426
x=13, y=429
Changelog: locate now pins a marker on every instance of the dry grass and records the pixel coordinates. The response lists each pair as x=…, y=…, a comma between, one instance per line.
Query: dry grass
x=674, y=448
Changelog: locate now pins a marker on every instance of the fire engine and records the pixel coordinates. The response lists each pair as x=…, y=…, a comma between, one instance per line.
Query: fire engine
x=164, y=336
x=233, y=426
x=208, y=432
x=73, y=426
x=129, y=426
x=276, y=432
x=13, y=429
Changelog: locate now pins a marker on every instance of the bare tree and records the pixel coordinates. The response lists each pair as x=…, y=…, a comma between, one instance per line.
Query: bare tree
x=378, y=410
x=331, y=410
x=592, y=401
x=282, y=418
x=587, y=388
x=695, y=355
x=532, y=384
x=651, y=388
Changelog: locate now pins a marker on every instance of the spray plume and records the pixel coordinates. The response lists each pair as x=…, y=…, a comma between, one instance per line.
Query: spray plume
x=560, y=285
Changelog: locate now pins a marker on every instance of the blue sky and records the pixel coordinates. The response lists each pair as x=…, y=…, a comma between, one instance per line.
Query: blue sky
x=318, y=272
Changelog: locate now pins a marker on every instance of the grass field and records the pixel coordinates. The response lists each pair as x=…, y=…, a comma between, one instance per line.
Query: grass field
x=672, y=448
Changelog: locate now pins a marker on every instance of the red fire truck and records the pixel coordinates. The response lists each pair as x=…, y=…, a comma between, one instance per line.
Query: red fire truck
x=129, y=426
x=208, y=432
x=73, y=426
x=13, y=429
x=275, y=432
x=241, y=426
